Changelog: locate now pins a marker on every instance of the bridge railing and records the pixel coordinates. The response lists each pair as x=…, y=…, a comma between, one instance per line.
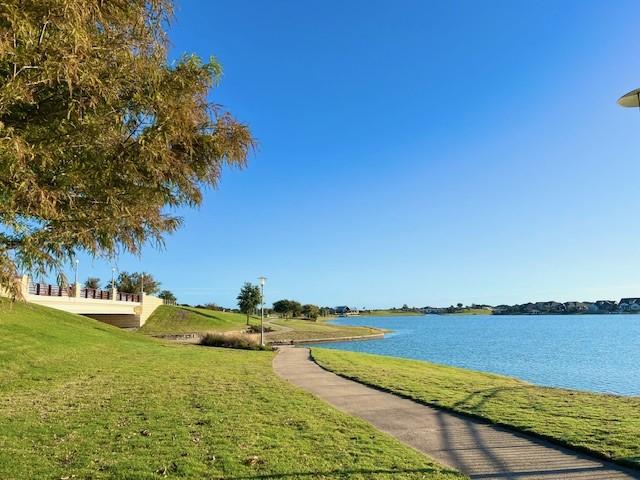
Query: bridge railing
x=128, y=297
x=48, y=290
x=95, y=293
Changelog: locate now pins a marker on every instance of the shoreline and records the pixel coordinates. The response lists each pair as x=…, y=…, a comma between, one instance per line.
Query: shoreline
x=373, y=336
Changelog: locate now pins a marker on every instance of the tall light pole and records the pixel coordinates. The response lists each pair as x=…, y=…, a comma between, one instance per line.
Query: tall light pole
x=262, y=280
x=113, y=277
x=76, y=270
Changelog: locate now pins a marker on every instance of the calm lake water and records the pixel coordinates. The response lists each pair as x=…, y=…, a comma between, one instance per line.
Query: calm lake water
x=599, y=353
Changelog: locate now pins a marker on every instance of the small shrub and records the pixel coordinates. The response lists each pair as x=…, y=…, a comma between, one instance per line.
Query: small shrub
x=232, y=340
x=256, y=329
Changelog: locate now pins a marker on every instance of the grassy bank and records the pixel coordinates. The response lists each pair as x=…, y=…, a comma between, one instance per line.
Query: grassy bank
x=168, y=320
x=175, y=320
x=388, y=313
x=80, y=399
x=297, y=329
x=604, y=424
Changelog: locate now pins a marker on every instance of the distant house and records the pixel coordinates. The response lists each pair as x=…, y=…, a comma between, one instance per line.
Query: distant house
x=629, y=305
x=433, y=310
x=530, y=308
x=344, y=310
x=576, y=307
x=501, y=309
x=606, y=305
x=550, y=307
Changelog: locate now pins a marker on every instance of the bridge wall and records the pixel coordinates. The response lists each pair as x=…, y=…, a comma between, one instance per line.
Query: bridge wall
x=122, y=321
x=85, y=306
x=149, y=305
x=120, y=313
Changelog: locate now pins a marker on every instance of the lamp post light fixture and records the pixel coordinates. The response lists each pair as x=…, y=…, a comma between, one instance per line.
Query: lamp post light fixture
x=630, y=99
x=113, y=277
x=75, y=271
x=262, y=281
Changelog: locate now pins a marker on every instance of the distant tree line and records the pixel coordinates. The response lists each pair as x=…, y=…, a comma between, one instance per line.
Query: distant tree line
x=134, y=282
x=294, y=309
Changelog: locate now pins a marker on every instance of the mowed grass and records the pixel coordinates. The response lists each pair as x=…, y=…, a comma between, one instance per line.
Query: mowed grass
x=604, y=424
x=80, y=399
x=169, y=320
x=297, y=329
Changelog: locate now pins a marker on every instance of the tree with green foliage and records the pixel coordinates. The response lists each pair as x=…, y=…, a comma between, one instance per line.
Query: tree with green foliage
x=92, y=283
x=248, y=299
x=136, y=282
x=167, y=296
x=281, y=307
x=101, y=136
x=312, y=312
x=288, y=308
x=296, y=308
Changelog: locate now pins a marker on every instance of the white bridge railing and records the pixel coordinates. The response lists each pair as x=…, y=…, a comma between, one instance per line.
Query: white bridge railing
x=48, y=290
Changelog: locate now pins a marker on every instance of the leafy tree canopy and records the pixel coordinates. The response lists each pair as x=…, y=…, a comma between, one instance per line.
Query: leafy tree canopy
x=134, y=283
x=312, y=312
x=248, y=299
x=100, y=136
x=167, y=295
x=288, y=308
x=92, y=282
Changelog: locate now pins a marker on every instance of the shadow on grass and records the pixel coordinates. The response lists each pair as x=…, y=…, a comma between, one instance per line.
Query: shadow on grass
x=506, y=463
x=481, y=397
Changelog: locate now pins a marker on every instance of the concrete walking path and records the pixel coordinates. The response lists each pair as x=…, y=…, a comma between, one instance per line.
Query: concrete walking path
x=476, y=448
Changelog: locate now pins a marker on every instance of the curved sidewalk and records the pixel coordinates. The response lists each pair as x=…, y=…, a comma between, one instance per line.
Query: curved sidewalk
x=478, y=449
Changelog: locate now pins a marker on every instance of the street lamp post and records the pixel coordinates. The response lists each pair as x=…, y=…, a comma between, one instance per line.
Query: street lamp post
x=630, y=99
x=113, y=292
x=75, y=273
x=262, y=282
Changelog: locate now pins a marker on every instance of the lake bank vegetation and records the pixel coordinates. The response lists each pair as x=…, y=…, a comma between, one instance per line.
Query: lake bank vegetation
x=169, y=321
x=292, y=330
x=242, y=341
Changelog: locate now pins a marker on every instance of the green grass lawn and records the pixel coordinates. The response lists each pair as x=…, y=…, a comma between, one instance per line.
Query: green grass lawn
x=80, y=399
x=307, y=329
x=604, y=424
x=168, y=319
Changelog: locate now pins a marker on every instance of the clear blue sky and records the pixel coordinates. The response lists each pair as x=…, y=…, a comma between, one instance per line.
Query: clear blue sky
x=419, y=152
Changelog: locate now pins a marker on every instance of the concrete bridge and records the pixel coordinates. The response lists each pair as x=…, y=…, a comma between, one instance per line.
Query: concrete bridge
x=125, y=310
